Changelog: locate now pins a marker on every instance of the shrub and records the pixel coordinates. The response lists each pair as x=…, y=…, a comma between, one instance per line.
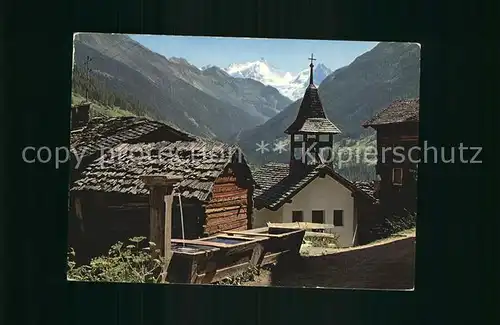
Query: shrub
x=395, y=224
x=401, y=223
x=130, y=263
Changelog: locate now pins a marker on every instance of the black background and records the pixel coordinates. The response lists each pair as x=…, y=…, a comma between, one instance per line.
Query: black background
x=456, y=229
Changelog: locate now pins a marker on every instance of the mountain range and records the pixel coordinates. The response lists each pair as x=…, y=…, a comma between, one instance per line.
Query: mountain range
x=291, y=86
x=206, y=102
x=248, y=102
x=350, y=96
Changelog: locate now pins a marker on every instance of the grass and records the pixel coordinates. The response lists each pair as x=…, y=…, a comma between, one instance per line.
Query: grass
x=99, y=109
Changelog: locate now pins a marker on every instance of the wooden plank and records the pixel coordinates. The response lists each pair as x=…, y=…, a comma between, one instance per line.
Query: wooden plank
x=223, y=227
x=241, y=193
x=300, y=225
x=205, y=242
x=221, y=204
x=253, y=234
x=241, y=237
x=222, y=188
x=241, y=210
x=231, y=225
x=226, y=220
x=223, y=214
x=229, y=198
x=225, y=179
x=199, y=242
x=222, y=209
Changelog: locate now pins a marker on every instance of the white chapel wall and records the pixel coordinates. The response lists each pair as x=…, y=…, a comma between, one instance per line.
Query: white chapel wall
x=325, y=194
x=263, y=216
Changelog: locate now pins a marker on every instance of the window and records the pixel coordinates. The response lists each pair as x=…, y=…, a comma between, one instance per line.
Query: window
x=397, y=176
x=297, y=216
x=324, y=138
x=311, y=137
x=298, y=137
x=318, y=216
x=338, y=218
x=297, y=153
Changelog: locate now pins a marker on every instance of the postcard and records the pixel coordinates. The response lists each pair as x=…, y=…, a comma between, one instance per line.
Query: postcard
x=240, y=161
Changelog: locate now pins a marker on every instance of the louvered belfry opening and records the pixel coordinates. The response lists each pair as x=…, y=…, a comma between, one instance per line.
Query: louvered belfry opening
x=311, y=134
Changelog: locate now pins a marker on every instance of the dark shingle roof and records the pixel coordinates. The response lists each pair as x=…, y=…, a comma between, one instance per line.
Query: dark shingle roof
x=105, y=133
x=311, y=117
x=199, y=163
x=367, y=187
x=400, y=111
x=275, y=185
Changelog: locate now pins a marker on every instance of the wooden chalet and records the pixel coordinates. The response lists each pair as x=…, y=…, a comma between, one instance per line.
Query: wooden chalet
x=308, y=189
x=397, y=127
x=215, y=192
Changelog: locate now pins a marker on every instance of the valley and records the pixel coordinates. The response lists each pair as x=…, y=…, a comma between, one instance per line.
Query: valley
x=245, y=103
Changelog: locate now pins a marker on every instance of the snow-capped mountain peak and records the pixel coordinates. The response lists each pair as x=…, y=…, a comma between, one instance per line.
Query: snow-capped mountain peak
x=291, y=86
x=259, y=70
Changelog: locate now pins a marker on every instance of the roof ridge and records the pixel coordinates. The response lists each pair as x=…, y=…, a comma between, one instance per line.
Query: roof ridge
x=398, y=111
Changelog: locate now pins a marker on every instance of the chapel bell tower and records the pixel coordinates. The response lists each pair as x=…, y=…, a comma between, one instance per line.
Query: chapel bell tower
x=311, y=134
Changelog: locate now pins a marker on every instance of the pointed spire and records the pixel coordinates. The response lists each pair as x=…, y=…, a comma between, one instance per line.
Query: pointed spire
x=311, y=117
x=311, y=79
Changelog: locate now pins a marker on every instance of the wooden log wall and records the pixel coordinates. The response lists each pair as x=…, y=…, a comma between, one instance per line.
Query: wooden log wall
x=368, y=216
x=110, y=217
x=395, y=198
x=228, y=208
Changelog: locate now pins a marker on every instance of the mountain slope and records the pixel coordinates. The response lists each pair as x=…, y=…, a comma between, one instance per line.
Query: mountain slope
x=291, y=86
x=251, y=96
x=204, y=103
x=350, y=95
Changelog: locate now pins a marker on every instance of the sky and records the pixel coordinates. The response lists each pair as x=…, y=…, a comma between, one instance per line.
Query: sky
x=284, y=54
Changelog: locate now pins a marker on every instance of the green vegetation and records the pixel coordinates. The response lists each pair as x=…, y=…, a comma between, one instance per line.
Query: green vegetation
x=131, y=263
x=360, y=166
x=104, y=101
x=99, y=109
x=396, y=224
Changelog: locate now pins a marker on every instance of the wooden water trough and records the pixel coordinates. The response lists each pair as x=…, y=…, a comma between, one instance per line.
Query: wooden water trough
x=280, y=243
x=211, y=259
x=308, y=226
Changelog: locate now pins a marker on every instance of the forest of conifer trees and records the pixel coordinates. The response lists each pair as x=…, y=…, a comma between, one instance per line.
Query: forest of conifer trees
x=98, y=91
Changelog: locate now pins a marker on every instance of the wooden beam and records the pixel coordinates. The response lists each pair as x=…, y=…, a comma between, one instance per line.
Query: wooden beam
x=254, y=234
x=161, y=198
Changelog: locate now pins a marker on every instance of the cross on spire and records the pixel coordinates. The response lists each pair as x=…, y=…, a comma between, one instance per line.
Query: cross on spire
x=311, y=66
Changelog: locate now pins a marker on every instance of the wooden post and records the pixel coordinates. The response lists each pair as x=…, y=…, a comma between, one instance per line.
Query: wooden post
x=167, y=234
x=160, y=201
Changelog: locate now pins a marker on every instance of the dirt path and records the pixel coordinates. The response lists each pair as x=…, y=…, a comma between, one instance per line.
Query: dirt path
x=387, y=264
